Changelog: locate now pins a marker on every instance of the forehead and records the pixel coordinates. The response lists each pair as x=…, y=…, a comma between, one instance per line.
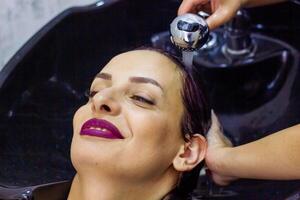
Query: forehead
x=145, y=63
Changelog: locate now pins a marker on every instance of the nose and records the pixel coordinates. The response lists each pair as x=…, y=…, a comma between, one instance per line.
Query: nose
x=105, y=102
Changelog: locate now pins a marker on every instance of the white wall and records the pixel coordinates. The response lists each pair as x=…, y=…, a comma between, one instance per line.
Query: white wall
x=20, y=19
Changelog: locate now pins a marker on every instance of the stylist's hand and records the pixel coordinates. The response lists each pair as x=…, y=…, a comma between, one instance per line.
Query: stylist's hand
x=218, y=148
x=222, y=10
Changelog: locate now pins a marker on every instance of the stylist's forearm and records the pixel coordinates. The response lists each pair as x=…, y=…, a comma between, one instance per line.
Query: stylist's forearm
x=254, y=3
x=276, y=156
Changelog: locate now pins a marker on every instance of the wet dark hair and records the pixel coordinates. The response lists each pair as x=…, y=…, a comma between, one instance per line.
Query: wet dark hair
x=196, y=118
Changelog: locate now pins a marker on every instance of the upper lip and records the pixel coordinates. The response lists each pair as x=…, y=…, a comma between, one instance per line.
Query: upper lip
x=101, y=123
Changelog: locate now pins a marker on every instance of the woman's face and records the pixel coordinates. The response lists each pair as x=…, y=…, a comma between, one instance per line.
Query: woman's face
x=138, y=92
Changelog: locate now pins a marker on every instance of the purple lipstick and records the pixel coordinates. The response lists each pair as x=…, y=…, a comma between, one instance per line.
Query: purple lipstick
x=100, y=128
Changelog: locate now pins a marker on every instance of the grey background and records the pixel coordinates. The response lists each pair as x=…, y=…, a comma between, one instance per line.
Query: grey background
x=20, y=19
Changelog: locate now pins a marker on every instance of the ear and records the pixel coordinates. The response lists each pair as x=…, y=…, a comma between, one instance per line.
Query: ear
x=191, y=153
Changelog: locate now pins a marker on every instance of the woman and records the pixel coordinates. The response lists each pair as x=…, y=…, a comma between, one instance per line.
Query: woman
x=138, y=135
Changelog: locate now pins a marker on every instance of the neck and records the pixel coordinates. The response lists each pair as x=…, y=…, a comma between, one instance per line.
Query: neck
x=84, y=188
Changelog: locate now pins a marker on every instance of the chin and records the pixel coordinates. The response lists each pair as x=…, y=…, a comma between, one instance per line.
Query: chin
x=87, y=156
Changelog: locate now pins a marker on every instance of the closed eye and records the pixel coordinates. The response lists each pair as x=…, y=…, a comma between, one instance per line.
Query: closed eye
x=90, y=93
x=142, y=99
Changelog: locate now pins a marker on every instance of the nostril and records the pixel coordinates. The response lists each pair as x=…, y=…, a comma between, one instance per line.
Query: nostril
x=105, y=107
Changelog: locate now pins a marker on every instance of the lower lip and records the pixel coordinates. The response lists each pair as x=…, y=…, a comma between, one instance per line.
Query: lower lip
x=98, y=133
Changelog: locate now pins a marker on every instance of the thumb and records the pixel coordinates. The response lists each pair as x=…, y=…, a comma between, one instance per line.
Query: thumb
x=215, y=134
x=215, y=123
x=214, y=130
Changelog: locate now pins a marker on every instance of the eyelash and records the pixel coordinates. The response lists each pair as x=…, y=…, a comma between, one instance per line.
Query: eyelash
x=142, y=99
x=91, y=94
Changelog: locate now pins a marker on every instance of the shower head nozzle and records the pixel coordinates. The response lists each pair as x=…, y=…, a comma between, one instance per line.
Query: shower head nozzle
x=189, y=32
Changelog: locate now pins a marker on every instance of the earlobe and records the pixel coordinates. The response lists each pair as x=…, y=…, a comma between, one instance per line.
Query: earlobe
x=191, y=153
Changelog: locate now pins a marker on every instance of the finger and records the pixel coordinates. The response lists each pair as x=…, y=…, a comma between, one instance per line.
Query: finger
x=220, y=17
x=222, y=180
x=191, y=6
x=205, y=8
x=214, y=5
x=186, y=6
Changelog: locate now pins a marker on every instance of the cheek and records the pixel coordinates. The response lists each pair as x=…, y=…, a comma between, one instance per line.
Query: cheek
x=155, y=127
x=151, y=127
x=80, y=116
x=155, y=138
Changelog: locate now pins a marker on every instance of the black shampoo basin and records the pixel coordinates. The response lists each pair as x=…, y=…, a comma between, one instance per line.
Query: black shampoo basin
x=45, y=81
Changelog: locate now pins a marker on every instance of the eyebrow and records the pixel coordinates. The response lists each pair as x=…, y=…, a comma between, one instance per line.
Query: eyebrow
x=145, y=80
x=135, y=79
x=102, y=75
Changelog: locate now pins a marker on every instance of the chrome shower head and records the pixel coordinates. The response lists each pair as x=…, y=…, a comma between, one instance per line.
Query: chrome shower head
x=189, y=32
